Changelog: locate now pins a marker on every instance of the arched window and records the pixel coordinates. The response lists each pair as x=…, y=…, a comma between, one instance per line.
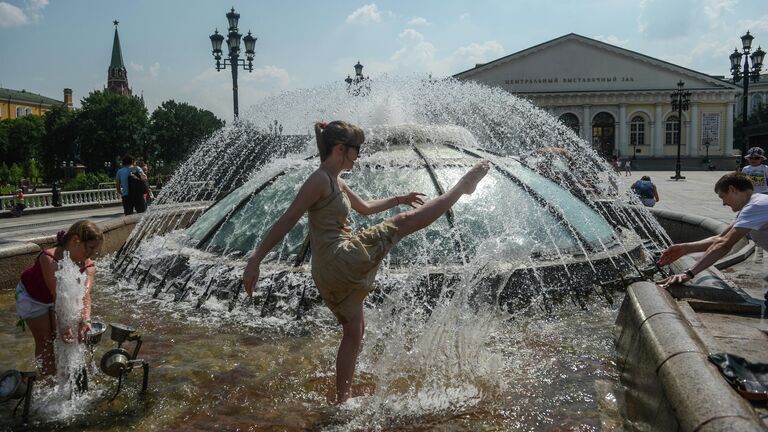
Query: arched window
x=757, y=100
x=637, y=131
x=19, y=112
x=570, y=120
x=28, y=111
x=671, y=128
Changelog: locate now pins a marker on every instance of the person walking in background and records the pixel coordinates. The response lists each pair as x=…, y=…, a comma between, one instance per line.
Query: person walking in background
x=646, y=191
x=627, y=164
x=130, y=184
x=756, y=170
x=149, y=196
x=18, y=205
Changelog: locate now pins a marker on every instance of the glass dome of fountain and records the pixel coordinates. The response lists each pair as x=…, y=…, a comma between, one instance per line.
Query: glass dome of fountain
x=515, y=213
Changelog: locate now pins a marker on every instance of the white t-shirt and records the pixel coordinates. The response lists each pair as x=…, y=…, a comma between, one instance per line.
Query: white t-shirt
x=758, y=175
x=754, y=216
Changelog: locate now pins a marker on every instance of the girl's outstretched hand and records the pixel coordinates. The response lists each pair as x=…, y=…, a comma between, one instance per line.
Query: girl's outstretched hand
x=412, y=199
x=250, y=276
x=67, y=335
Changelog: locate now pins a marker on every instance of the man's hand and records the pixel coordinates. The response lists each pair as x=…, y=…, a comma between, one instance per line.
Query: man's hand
x=672, y=254
x=250, y=276
x=674, y=279
x=83, y=332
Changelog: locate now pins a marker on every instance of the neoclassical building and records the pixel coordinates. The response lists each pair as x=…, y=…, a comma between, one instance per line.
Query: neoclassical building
x=619, y=100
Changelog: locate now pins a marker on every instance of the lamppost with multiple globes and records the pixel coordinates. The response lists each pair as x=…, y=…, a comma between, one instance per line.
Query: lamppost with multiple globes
x=233, y=58
x=358, y=84
x=745, y=74
x=680, y=100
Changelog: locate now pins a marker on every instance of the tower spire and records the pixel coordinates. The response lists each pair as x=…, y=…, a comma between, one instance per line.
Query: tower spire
x=117, y=75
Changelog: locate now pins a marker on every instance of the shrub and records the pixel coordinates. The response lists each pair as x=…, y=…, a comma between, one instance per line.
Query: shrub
x=87, y=181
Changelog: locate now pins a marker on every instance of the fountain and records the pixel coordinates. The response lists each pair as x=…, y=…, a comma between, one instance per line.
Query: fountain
x=482, y=320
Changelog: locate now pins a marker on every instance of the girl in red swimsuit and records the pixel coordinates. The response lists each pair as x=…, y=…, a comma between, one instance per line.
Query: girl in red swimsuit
x=36, y=292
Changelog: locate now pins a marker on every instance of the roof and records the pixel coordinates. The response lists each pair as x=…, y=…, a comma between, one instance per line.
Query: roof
x=117, y=53
x=25, y=96
x=573, y=36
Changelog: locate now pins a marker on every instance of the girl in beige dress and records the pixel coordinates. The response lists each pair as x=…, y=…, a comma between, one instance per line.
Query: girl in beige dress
x=344, y=264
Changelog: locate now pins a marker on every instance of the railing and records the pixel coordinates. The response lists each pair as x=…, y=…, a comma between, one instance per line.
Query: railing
x=68, y=198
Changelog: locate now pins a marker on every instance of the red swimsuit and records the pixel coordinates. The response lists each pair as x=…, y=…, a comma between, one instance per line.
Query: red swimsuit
x=33, y=281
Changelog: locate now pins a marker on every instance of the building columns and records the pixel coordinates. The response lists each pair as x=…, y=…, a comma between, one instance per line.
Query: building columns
x=658, y=135
x=587, y=129
x=693, y=131
x=622, y=141
x=728, y=144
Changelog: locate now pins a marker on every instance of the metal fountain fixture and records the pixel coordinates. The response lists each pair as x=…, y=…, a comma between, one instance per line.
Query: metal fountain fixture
x=118, y=362
x=17, y=385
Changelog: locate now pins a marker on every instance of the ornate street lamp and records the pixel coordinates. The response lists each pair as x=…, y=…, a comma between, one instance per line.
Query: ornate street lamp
x=358, y=85
x=680, y=101
x=745, y=75
x=233, y=58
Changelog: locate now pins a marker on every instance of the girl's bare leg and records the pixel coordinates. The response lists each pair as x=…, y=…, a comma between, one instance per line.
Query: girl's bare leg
x=44, y=337
x=346, y=359
x=413, y=220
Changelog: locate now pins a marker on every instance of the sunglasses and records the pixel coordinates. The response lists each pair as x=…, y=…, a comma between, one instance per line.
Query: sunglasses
x=754, y=157
x=357, y=148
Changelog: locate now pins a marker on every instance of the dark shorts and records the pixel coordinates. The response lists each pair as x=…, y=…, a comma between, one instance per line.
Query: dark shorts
x=131, y=203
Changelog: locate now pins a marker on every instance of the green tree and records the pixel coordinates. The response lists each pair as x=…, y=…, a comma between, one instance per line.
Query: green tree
x=16, y=174
x=5, y=130
x=109, y=126
x=58, y=142
x=5, y=174
x=176, y=128
x=32, y=171
x=24, y=137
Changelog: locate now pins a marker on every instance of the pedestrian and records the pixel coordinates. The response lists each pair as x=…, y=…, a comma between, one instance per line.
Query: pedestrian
x=36, y=291
x=19, y=203
x=736, y=191
x=149, y=196
x=615, y=164
x=130, y=184
x=646, y=191
x=627, y=167
x=344, y=264
x=756, y=170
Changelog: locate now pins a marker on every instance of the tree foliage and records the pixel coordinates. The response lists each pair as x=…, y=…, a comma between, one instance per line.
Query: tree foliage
x=109, y=126
x=58, y=142
x=20, y=138
x=176, y=128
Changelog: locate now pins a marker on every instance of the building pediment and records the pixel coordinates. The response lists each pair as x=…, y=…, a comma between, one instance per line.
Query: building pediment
x=575, y=63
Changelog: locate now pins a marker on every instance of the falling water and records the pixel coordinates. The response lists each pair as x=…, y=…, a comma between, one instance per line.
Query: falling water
x=443, y=354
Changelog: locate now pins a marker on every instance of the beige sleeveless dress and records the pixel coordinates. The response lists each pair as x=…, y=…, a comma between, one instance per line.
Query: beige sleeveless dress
x=344, y=265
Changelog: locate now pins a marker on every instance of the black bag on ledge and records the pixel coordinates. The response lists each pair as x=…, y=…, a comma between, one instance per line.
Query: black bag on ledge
x=749, y=379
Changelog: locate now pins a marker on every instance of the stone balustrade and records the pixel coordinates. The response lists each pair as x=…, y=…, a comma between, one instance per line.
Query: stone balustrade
x=68, y=199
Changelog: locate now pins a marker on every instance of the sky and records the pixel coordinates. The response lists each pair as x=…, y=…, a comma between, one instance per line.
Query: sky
x=47, y=45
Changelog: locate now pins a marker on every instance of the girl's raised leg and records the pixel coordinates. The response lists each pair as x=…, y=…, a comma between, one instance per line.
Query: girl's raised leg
x=413, y=220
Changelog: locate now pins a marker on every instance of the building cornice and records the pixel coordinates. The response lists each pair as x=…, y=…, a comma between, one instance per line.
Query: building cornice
x=624, y=97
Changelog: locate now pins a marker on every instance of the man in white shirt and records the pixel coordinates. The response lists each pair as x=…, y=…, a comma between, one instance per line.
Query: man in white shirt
x=735, y=189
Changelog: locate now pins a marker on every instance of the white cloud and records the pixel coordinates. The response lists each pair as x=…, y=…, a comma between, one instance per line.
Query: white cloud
x=418, y=21
x=11, y=16
x=463, y=16
x=664, y=20
x=415, y=51
x=365, y=14
x=206, y=89
x=478, y=53
x=613, y=40
x=154, y=70
x=136, y=67
x=14, y=16
x=757, y=25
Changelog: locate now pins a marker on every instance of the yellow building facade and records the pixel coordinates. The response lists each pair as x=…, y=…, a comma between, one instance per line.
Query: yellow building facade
x=20, y=103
